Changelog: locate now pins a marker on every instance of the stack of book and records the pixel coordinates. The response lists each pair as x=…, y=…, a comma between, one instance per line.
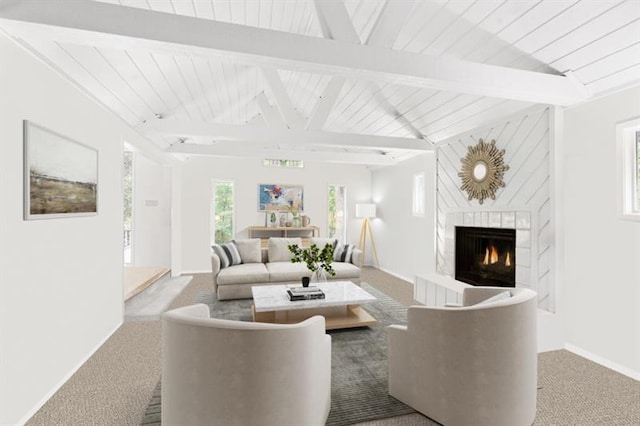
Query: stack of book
x=304, y=293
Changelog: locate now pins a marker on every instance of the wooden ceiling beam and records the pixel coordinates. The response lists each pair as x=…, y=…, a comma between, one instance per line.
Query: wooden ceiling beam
x=101, y=24
x=275, y=136
x=291, y=117
x=325, y=104
x=270, y=113
x=236, y=149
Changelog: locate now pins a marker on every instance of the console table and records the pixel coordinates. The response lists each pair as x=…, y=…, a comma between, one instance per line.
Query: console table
x=266, y=232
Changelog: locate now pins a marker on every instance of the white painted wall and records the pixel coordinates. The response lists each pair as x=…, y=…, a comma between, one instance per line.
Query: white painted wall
x=406, y=244
x=60, y=279
x=151, y=212
x=196, y=184
x=602, y=256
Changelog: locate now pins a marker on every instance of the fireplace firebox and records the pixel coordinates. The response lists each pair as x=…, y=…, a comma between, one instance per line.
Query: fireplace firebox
x=485, y=256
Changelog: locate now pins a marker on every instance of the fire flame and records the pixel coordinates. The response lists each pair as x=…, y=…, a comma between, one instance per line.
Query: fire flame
x=490, y=256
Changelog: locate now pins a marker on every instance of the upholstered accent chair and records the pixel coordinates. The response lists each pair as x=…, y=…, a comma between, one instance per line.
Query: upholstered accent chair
x=221, y=372
x=470, y=365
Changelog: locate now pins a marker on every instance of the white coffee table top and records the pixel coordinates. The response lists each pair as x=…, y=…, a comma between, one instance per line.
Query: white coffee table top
x=337, y=293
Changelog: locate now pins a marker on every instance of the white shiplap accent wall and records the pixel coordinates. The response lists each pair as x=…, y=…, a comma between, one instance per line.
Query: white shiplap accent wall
x=526, y=195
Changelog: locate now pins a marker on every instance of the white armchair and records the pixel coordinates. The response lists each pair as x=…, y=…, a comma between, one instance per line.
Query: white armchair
x=469, y=365
x=221, y=372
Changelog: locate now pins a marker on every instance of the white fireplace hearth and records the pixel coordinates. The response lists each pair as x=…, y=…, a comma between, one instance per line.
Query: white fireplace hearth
x=533, y=251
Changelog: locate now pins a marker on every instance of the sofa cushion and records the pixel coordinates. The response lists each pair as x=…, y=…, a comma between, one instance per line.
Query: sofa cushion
x=246, y=273
x=321, y=242
x=249, y=250
x=278, y=251
x=345, y=271
x=342, y=253
x=287, y=271
x=228, y=254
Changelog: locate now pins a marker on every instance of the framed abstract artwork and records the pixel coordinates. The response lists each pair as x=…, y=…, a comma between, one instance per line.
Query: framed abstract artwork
x=60, y=175
x=280, y=197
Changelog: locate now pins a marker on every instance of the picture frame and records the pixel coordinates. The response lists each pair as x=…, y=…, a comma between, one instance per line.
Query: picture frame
x=280, y=197
x=60, y=175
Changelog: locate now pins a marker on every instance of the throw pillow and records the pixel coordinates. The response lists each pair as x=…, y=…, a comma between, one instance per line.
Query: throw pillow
x=249, y=250
x=278, y=251
x=228, y=254
x=500, y=296
x=321, y=242
x=343, y=252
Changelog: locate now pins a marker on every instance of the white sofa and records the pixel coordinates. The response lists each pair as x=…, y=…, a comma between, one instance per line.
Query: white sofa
x=469, y=365
x=270, y=266
x=221, y=372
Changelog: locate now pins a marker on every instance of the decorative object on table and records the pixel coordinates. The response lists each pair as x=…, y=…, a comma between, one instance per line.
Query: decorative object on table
x=295, y=221
x=305, y=281
x=482, y=171
x=366, y=211
x=283, y=220
x=318, y=261
x=272, y=219
x=304, y=293
x=60, y=175
x=306, y=221
x=280, y=197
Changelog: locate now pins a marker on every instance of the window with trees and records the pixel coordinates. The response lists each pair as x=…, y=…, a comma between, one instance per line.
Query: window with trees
x=127, y=192
x=337, y=202
x=223, y=216
x=283, y=163
x=628, y=135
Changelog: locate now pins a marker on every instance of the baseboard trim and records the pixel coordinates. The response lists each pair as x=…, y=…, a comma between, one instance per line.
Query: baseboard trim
x=603, y=361
x=193, y=272
x=64, y=380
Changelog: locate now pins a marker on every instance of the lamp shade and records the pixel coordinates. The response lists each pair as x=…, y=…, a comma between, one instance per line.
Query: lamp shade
x=365, y=210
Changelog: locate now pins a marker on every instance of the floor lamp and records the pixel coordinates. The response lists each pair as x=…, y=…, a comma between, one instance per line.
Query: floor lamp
x=365, y=211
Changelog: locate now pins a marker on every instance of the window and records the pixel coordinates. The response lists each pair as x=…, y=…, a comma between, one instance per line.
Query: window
x=223, y=220
x=127, y=194
x=418, y=194
x=283, y=163
x=628, y=135
x=337, y=212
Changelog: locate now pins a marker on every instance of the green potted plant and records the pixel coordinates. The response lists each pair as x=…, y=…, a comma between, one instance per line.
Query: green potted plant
x=318, y=261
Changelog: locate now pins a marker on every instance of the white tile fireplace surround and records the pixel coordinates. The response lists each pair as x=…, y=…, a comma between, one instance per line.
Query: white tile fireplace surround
x=533, y=251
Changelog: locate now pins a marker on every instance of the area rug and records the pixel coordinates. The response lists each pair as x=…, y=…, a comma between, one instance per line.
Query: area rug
x=359, y=383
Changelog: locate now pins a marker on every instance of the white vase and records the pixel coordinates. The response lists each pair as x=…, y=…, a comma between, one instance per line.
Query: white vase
x=319, y=276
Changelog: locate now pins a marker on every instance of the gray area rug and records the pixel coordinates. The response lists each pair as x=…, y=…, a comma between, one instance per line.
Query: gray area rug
x=155, y=299
x=359, y=387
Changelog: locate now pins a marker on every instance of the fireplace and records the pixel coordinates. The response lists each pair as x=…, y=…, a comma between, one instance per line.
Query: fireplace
x=485, y=256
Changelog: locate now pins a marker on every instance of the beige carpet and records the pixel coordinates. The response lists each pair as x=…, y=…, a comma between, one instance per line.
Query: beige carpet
x=114, y=385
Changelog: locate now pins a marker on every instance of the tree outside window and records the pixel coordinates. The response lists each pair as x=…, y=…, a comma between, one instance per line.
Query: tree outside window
x=127, y=201
x=337, y=212
x=223, y=220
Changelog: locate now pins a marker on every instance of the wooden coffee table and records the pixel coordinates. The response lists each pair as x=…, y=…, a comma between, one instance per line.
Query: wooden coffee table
x=340, y=307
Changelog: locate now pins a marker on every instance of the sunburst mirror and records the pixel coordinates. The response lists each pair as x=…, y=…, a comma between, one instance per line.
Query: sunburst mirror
x=482, y=171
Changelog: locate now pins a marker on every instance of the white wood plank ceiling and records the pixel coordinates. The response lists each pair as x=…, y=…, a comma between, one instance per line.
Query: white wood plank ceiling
x=396, y=77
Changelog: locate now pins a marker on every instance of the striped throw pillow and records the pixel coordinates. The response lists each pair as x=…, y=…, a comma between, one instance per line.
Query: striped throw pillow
x=343, y=252
x=228, y=254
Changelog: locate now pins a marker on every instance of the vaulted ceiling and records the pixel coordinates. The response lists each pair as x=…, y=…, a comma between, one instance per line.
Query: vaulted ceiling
x=357, y=81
